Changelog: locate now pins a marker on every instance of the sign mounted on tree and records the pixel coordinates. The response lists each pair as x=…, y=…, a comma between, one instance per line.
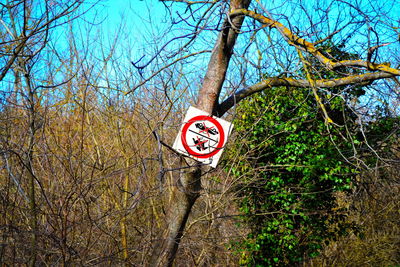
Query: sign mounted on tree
x=202, y=137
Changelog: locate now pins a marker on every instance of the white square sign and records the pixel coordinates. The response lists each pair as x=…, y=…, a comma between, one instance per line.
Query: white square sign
x=202, y=137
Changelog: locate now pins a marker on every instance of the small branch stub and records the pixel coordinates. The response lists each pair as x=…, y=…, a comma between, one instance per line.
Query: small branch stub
x=202, y=137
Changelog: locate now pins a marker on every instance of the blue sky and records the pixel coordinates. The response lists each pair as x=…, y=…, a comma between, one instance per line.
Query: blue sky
x=143, y=28
x=142, y=21
x=138, y=19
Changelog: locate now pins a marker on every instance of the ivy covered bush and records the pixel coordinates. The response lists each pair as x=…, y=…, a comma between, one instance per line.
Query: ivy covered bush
x=291, y=167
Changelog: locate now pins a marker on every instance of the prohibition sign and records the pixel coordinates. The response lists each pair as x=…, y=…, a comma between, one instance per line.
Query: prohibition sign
x=216, y=149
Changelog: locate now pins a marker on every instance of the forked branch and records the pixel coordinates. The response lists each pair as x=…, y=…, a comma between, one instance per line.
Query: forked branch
x=363, y=79
x=309, y=47
x=374, y=71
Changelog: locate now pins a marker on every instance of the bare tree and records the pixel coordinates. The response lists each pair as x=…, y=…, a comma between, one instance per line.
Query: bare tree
x=27, y=28
x=302, y=51
x=85, y=166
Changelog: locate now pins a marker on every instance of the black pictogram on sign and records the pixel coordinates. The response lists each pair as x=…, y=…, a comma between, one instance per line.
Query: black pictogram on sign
x=202, y=136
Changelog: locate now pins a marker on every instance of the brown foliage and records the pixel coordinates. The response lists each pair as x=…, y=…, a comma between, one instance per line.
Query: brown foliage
x=376, y=213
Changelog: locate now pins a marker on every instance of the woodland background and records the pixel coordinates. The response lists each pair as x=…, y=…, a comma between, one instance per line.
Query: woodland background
x=86, y=118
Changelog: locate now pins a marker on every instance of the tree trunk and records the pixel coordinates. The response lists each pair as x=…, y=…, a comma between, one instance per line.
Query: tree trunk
x=188, y=186
x=184, y=197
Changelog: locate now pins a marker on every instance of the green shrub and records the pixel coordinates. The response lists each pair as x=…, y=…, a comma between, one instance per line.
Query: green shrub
x=290, y=167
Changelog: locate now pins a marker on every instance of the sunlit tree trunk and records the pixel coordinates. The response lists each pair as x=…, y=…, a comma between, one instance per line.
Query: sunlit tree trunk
x=188, y=186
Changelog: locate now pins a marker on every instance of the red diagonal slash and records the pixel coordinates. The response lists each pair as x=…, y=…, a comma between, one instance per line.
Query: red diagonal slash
x=200, y=143
x=206, y=129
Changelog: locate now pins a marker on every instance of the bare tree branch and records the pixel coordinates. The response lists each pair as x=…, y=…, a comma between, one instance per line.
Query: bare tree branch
x=277, y=81
x=309, y=47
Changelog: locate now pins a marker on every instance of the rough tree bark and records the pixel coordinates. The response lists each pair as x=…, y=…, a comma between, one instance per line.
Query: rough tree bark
x=188, y=186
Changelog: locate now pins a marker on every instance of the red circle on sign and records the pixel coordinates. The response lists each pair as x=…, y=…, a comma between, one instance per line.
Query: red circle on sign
x=203, y=118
